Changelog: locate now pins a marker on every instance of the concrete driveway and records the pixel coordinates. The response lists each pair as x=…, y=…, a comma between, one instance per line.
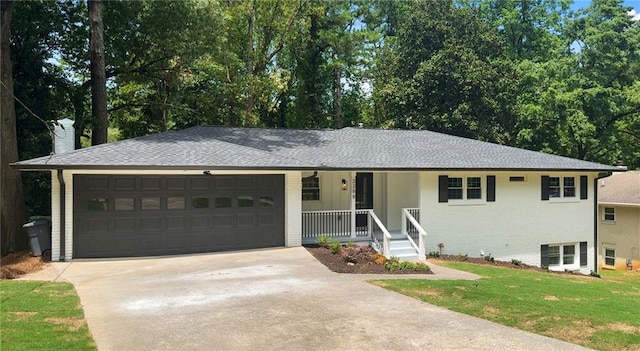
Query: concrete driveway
x=277, y=299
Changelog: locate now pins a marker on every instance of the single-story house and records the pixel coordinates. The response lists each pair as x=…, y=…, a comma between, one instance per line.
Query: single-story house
x=619, y=219
x=212, y=188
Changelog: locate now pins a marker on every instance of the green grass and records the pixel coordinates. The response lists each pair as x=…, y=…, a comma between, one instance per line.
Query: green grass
x=42, y=316
x=597, y=313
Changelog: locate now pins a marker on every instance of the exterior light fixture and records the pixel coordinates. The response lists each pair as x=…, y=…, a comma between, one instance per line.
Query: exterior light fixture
x=343, y=185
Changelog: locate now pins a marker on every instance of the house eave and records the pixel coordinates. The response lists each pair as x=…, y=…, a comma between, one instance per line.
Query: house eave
x=619, y=204
x=48, y=167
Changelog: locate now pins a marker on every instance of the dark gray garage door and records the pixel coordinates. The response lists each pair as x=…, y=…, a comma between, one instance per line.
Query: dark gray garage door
x=122, y=216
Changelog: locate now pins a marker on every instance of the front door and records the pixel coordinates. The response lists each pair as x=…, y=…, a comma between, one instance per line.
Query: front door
x=364, y=196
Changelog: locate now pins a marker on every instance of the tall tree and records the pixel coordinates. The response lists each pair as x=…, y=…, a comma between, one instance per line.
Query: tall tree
x=448, y=72
x=98, y=73
x=585, y=102
x=12, y=199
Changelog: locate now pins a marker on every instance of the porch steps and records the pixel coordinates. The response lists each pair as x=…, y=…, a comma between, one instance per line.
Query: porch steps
x=401, y=248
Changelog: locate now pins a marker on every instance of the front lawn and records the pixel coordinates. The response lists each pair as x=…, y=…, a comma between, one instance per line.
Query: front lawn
x=596, y=313
x=42, y=316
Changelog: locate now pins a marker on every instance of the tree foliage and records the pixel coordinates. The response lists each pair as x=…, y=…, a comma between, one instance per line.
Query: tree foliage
x=530, y=73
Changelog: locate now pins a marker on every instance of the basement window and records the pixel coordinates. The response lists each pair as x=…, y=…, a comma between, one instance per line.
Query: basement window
x=610, y=256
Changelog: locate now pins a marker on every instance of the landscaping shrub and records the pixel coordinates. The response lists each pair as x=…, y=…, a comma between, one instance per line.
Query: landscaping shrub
x=335, y=247
x=516, y=262
x=325, y=240
x=394, y=264
x=434, y=254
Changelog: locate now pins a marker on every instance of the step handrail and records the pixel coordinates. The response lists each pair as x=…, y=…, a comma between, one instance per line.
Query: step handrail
x=386, y=247
x=422, y=234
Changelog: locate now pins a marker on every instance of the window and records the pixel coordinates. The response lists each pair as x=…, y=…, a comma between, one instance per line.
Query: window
x=245, y=201
x=457, y=187
x=311, y=188
x=554, y=186
x=266, y=201
x=569, y=186
x=562, y=187
x=175, y=203
x=150, y=203
x=200, y=202
x=609, y=256
x=568, y=254
x=123, y=204
x=609, y=214
x=223, y=202
x=517, y=179
x=98, y=204
x=554, y=255
x=474, y=189
x=563, y=255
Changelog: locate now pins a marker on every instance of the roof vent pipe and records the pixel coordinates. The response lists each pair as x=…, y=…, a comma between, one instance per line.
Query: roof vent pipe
x=64, y=136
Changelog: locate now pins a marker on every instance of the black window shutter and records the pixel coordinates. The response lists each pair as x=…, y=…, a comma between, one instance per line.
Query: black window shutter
x=583, y=253
x=544, y=256
x=443, y=188
x=583, y=187
x=491, y=188
x=545, y=187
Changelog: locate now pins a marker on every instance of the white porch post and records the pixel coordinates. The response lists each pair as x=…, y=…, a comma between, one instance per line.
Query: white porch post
x=353, y=204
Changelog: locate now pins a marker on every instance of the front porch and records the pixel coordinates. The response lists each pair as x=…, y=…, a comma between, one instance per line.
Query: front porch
x=380, y=209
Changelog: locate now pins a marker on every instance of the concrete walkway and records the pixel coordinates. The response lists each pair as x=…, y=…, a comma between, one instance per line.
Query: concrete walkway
x=277, y=299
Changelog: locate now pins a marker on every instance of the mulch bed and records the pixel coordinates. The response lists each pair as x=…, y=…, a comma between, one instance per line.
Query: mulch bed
x=482, y=260
x=365, y=262
x=20, y=263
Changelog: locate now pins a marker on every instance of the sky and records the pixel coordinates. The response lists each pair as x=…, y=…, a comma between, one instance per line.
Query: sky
x=578, y=4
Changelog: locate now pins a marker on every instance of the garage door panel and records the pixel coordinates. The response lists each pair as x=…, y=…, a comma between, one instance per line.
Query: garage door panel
x=267, y=219
x=125, y=183
x=246, y=220
x=124, y=225
x=97, y=226
x=200, y=222
x=119, y=216
x=150, y=224
x=176, y=222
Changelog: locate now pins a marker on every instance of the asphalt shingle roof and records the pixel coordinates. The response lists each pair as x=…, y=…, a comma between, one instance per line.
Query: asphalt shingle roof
x=211, y=147
x=622, y=188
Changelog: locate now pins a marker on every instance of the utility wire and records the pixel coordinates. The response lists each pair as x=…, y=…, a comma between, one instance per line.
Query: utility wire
x=49, y=128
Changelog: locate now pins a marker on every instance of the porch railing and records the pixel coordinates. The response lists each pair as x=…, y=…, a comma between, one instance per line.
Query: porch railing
x=411, y=229
x=332, y=223
x=380, y=235
x=410, y=224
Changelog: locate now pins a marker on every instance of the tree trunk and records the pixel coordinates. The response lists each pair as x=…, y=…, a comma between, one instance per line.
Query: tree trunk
x=250, y=67
x=98, y=74
x=12, y=215
x=339, y=122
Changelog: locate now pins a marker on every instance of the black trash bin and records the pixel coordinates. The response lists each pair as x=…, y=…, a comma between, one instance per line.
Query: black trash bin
x=39, y=234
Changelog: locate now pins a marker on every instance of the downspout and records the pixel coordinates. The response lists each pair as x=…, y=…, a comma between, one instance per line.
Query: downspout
x=596, y=219
x=62, y=215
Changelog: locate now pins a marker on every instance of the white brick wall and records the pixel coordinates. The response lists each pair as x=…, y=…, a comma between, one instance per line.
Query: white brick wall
x=55, y=217
x=293, y=209
x=512, y=227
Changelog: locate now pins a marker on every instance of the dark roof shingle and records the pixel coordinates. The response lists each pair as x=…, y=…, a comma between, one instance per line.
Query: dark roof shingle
x=210, y=147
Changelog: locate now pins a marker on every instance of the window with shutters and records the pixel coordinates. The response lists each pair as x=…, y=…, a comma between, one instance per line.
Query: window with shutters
x=567, y=188
x=562, y=187
x=464, y=188
x=564, y=256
